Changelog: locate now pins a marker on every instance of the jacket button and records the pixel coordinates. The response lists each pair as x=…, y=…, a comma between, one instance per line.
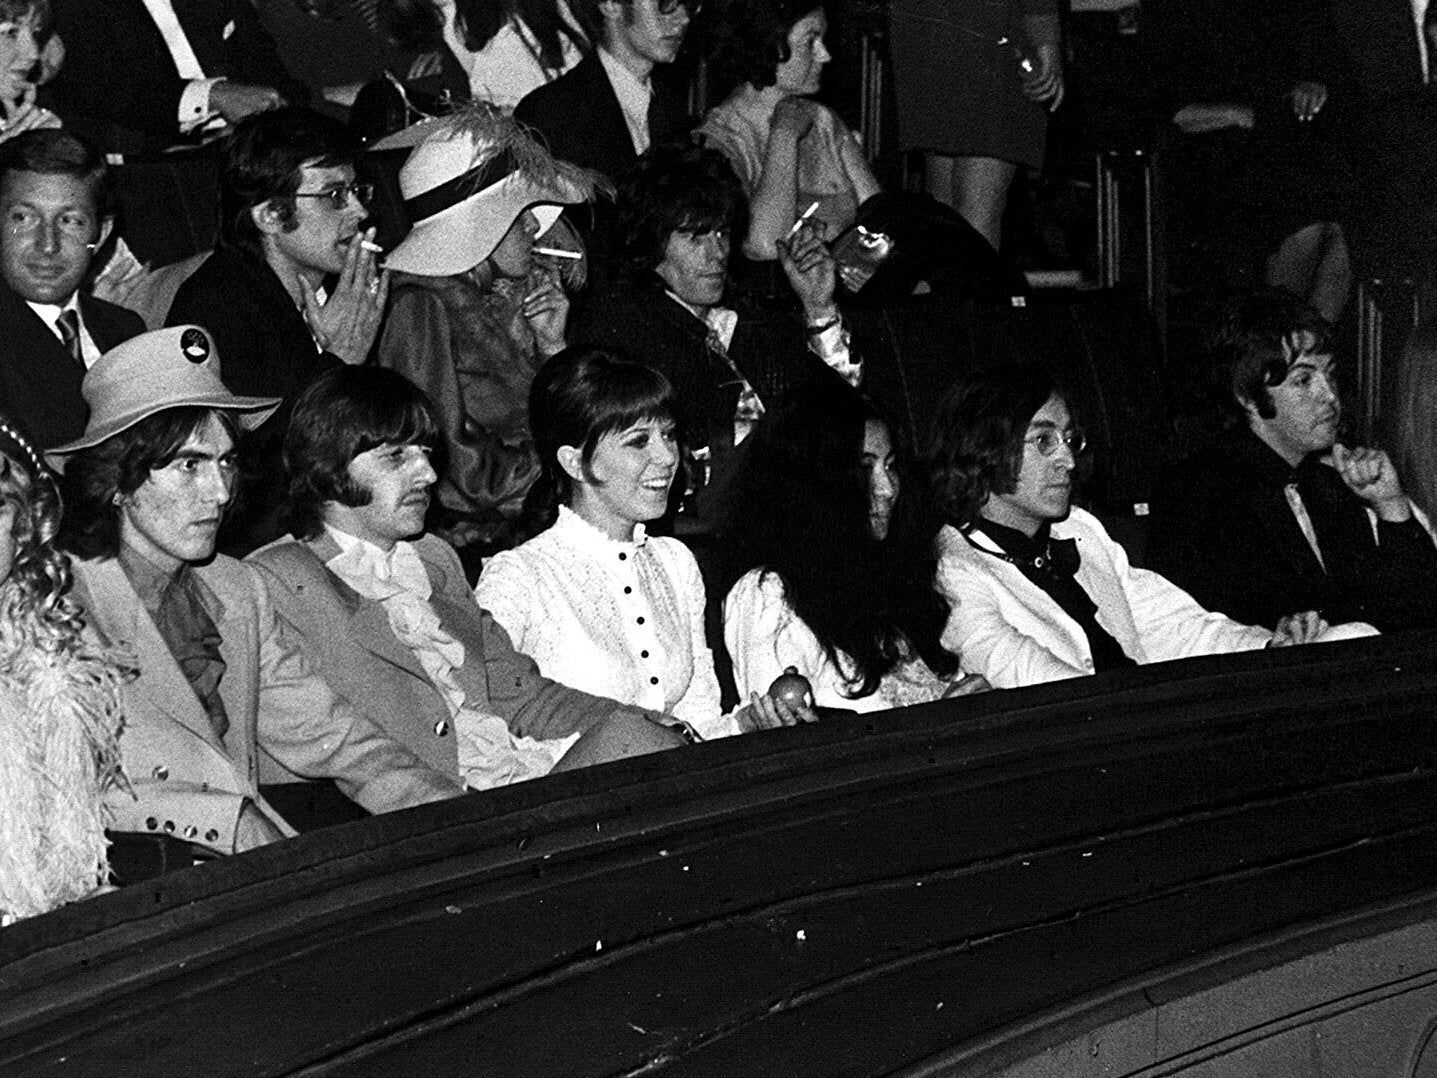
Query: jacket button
x=211, y=835
x=191, y=831
x=161, y=772
x=170, y=827
x=152, y=823
x=441, y=727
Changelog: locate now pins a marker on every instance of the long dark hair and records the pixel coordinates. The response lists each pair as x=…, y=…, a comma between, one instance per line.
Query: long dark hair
x=480, y=20
x=799, y=509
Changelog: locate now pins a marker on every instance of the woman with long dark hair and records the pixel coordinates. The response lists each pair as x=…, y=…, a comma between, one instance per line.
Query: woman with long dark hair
x=593, y=599
x=824, y=577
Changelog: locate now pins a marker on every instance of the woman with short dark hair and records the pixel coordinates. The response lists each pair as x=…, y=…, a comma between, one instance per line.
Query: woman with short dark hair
x=594, y=599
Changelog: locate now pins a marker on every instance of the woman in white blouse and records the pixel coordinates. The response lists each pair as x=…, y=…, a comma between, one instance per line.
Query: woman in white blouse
x=822, y=579
x=594, y=600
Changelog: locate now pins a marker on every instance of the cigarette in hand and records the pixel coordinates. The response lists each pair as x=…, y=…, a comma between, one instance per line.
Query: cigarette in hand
x=813, y=206
x=556, y=252
x=370, y=246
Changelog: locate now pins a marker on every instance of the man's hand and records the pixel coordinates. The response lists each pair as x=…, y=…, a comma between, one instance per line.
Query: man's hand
x=546, y=308
x=1300, y=628
x=810, y=270
x=348, y=321
x=23, y=114
x=767, y=712
x=1370, y=475
x=236, y=100
x=1044, y=84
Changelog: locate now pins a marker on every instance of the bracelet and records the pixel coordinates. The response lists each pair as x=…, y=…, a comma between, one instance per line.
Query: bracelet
x=824, y=327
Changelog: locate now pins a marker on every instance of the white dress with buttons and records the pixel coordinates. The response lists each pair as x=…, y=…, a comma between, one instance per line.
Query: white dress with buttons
x=618, y=619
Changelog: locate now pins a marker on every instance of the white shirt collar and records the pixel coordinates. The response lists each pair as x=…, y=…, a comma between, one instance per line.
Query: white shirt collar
x=584, y=535
x=633, y=94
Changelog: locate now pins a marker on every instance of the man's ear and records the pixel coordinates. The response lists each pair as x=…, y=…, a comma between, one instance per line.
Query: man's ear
x=572, y=461
x=268, y=217
x=106, y=226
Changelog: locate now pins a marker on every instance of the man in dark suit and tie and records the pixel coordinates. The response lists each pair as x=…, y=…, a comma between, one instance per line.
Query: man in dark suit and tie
x=54, y=204
x=610, y=108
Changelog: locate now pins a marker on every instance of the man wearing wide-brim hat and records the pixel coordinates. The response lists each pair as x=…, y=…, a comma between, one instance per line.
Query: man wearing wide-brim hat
x=146, y=487
x=476, y=307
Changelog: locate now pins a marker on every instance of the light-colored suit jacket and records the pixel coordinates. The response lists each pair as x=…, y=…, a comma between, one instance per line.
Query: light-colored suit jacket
x=348, y=639
x=184, y=780
x=1012, y=632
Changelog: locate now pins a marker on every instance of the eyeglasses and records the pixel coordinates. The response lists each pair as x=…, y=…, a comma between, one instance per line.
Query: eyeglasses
x=668, y=7
x=339, y=196
x=1047, y=441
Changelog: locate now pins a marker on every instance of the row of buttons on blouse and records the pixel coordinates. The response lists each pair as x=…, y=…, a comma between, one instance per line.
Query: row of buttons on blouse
x=629, y=591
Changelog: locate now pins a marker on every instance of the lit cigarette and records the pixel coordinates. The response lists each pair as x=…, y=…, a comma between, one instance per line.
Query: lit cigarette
x=556, y=252
x=371, y=246
x=802, y=218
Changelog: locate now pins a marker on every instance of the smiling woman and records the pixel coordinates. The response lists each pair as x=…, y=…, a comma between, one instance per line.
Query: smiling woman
x=597, y=602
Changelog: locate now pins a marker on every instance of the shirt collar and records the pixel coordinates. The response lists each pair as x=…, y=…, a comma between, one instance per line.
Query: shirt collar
x=50, y=312
x=359, y=557
x=581, y=533
x=1014, y=543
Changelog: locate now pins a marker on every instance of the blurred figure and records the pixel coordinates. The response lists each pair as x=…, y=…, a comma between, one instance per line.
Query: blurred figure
x=787, y=150
x=595, y=600
x=29, y=54
x=1411, y=420
x=974, y=85
x=475, y=309
x=59, y=705
x=821, y=578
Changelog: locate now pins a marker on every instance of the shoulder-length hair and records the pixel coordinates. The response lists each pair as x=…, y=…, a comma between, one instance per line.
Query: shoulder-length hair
x=33, y=598
x=578, y=396
x=1412, y=422
x=976, y=445
x=799, y=509
x=750, y=39
x=98, y=478
x=678, y=187
x=343, y=413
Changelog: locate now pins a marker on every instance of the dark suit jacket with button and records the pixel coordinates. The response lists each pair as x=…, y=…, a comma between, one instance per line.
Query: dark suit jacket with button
x=119, y=85
x=39, y=379
x=578, y=115
x=348, y=640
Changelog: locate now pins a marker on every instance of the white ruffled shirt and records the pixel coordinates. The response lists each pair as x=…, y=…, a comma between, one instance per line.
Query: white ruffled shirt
x=489, y=754
x=618, y=619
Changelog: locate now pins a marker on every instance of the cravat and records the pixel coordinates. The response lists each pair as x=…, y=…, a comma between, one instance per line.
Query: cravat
x=69, y=326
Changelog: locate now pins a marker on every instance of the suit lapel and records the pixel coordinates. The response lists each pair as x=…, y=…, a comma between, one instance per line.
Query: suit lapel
x=368, y=622
x=116, y=608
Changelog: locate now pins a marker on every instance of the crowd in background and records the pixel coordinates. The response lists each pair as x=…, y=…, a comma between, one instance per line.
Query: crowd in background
x=406, y=398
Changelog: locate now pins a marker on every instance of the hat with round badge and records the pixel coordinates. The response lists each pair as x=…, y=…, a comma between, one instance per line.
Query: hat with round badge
x=169, y=368
x=467, y=179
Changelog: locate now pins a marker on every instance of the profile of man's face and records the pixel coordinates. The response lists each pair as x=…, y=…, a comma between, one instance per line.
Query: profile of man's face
x=641, y=29
x=48, y=224
x=1306, y=408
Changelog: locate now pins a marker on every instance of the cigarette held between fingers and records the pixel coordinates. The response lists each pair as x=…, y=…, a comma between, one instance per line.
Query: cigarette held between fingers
x=812, y=207
x=557, y=252
x=370, y=246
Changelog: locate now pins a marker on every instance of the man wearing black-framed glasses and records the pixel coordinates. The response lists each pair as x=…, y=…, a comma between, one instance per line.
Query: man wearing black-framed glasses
x=293, y=289
x=616, y=102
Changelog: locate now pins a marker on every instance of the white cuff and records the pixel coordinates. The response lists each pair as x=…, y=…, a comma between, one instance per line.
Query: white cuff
x=195, y=104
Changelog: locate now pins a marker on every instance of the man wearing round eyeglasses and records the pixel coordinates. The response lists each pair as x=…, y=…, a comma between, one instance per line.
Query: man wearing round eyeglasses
x=293, y=288
x=1038, y=591
x=614, y=104
x=54, y=212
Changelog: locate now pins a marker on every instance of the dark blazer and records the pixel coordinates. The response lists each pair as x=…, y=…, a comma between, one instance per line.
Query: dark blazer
x=39, y=380
x=265, y=351
x=579, y=117
x=119, y=85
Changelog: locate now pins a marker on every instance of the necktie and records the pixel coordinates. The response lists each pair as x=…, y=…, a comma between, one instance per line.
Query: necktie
x=69, y=326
